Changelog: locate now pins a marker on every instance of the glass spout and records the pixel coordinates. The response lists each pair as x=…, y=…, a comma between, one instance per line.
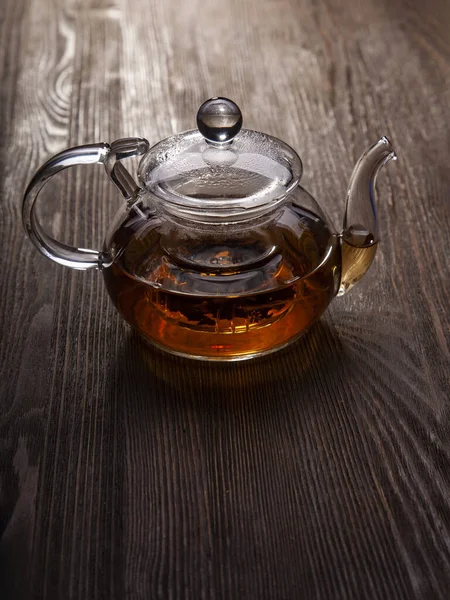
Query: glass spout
x=360, y=234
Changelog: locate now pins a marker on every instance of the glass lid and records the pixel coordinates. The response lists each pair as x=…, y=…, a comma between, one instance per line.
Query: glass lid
x=219, y=169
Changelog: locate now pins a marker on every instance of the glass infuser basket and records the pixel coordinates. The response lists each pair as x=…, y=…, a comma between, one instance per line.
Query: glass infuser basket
x=218, y=252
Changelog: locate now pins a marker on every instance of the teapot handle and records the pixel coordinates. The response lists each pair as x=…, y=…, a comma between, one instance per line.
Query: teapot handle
x=70, y=256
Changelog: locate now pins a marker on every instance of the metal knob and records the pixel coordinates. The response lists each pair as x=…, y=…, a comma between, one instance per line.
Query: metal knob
x=219, y=120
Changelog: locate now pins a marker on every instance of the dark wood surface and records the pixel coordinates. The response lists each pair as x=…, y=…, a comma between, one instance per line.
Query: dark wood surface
x=319, y=472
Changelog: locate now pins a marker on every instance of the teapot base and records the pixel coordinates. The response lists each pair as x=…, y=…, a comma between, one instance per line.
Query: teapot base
x=218, y=358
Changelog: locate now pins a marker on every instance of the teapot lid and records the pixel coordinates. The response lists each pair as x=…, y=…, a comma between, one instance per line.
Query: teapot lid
x=220, y=171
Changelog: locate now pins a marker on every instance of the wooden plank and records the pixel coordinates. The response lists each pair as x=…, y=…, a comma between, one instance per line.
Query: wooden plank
x=26, y=292
x=317, y=472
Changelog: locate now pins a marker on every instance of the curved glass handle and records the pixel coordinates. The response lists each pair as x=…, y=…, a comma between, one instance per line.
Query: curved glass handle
x=70, y=256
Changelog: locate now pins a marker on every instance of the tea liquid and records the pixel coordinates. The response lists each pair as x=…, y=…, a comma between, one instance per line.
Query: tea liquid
x=356, y=261
x=229, y=296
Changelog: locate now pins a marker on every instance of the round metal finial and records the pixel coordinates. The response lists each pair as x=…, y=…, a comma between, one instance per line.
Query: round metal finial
x=219, y=120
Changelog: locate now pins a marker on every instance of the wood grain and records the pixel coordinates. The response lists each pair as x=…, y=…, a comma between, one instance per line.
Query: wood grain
x=319, y=472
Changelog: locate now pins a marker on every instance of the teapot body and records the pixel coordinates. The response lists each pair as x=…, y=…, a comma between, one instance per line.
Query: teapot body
x=222, y=291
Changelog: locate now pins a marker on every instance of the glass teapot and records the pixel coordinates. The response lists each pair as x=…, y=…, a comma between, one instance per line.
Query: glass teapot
x=218, y=253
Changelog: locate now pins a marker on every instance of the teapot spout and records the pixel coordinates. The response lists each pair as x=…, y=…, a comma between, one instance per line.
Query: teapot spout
x=360, y=233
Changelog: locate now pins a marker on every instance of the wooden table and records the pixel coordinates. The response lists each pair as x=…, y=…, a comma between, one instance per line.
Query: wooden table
x=319, y=472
